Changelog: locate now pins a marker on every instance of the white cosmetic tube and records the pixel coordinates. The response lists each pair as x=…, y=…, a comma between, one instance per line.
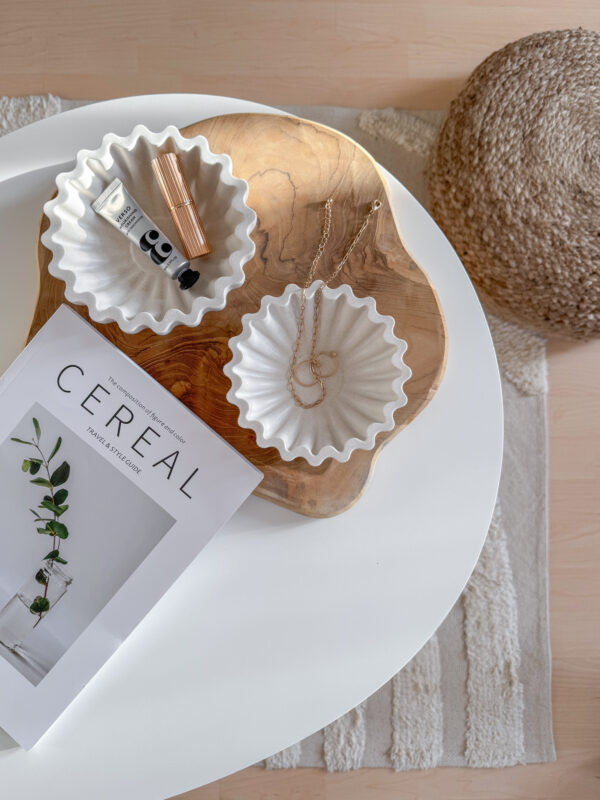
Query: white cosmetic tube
x=118, y=207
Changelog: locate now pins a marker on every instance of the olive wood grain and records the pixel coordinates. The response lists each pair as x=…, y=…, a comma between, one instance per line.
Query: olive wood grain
x=291, y=166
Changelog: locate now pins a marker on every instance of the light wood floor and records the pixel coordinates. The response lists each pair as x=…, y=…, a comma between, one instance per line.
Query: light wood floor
x=361, y=53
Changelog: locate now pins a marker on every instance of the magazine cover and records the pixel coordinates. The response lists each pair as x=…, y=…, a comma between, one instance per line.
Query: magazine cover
x=110, y=487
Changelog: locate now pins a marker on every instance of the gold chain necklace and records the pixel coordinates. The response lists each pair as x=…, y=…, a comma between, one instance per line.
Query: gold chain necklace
x=314, y=359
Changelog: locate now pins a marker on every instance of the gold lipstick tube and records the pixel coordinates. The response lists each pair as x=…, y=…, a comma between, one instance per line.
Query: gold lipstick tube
x=175, y=190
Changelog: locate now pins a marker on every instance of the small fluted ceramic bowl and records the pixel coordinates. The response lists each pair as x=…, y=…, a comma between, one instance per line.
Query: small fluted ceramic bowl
x=362, y=393
x=104, y=271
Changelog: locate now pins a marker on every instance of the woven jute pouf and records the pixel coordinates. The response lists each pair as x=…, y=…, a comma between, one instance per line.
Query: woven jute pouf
x=514, y=181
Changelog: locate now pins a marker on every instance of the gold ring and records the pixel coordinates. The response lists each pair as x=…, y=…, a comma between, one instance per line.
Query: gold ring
x=315, y=368
x=297, y=379
x=333, y=355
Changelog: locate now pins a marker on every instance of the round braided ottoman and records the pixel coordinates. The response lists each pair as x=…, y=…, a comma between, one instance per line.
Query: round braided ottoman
x=514, y=181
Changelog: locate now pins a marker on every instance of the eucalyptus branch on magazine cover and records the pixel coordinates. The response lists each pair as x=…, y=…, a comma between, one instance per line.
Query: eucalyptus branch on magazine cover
x=53, y=503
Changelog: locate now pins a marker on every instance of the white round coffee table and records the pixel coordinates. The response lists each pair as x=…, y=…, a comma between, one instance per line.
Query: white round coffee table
x=283, y=623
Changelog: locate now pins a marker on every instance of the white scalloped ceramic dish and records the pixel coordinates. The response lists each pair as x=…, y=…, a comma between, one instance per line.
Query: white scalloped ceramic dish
x=362, y=395
x=105, y=272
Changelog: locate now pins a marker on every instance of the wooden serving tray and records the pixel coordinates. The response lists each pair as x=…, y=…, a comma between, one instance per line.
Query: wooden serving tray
x=291, y=166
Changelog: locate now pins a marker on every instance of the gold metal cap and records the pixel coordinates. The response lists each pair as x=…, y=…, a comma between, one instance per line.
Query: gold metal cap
x=175, y=190
x=168, y=173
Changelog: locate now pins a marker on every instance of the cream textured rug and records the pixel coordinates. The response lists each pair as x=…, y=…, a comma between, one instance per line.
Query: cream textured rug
x=478, y=693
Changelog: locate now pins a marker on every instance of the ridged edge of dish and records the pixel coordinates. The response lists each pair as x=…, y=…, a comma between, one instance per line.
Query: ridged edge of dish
x=175, y=316
x=328, y=451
